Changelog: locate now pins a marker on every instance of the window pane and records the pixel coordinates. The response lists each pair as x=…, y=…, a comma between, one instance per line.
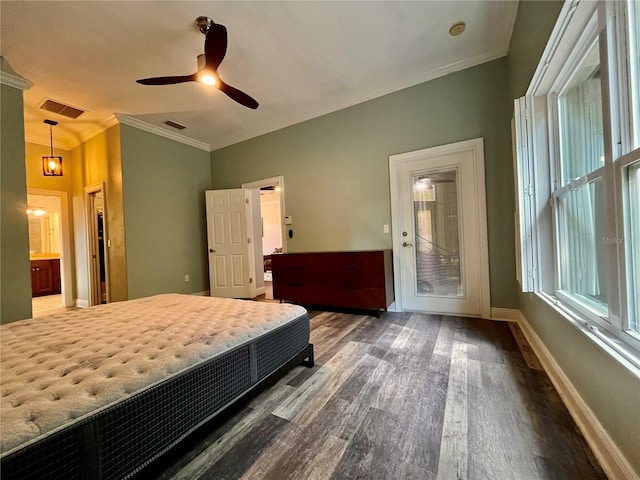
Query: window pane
x=633, y=239
x=634, y=66
x=580, y=115
x=583, y=245
x=437, y=239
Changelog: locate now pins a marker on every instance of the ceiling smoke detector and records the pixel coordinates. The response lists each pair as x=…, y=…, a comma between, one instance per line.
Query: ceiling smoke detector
x=457, y=29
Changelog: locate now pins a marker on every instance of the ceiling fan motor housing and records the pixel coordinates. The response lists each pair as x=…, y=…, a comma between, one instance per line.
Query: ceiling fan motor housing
x=204, y=24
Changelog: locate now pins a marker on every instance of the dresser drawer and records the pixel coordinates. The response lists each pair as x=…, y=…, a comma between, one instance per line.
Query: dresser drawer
x=362, y=279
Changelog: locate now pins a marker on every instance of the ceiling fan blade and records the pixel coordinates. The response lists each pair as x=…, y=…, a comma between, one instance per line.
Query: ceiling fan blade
x=167, y=80
x=237, y=95
x=215, y=45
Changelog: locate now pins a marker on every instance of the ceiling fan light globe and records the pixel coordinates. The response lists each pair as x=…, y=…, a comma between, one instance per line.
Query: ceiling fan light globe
x=208, y=79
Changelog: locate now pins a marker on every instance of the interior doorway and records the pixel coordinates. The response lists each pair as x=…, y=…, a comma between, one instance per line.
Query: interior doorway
x=49, y=251
x=97, y=261
x=272, y=213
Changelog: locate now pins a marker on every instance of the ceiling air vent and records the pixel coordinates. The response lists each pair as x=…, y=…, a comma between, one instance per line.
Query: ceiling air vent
x=61, y=109
x=175, y=125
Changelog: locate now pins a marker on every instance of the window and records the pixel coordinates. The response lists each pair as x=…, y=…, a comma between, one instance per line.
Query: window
x=633, y=40
x=581, y=125
x=581, y=193
x=633, y=242
x=582, y=253
x=578, y=170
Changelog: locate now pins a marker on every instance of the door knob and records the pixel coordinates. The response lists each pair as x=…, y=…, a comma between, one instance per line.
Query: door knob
x=405, y=244
x=211, y=250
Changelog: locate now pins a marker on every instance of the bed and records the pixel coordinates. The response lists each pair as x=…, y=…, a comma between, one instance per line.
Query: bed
x=100, y=393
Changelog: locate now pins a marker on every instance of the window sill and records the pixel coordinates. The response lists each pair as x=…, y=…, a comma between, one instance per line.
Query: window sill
x=624, y=354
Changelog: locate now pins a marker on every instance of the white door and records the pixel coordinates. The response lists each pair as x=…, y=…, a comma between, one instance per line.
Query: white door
x=231, y=248
x=439, y=230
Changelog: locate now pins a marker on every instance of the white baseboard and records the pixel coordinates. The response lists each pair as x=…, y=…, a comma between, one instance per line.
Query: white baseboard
x=80, y=303
x=393, y=308
x=611, y=459
x=505, y=314
x=260, y=290
x=204, y=293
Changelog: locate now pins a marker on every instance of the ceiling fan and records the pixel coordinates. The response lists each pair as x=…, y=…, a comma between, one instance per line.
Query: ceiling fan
x=215, y=48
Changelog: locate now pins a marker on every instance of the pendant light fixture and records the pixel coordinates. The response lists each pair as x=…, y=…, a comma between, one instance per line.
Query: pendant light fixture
x=52, y=164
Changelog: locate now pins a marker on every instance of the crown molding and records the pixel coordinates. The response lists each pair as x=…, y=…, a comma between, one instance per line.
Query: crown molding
x=148, y=127
x=46, y=142
x=96, y=129
x=81, y=137
x=15, y=81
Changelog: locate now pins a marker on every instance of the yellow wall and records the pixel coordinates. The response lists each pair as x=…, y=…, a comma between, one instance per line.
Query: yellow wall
x=37, y=181
x=35, y=178
x=95, y=161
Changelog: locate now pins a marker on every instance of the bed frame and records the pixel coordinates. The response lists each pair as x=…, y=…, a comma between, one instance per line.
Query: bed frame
x=119, y=441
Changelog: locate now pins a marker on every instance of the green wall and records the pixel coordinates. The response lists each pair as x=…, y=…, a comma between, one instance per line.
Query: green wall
x=336, y=167
x=532, y=28
x=610, y=390
x=163, y=190
x=15, y=271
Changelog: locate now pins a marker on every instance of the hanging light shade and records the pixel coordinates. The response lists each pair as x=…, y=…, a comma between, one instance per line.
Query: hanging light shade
x=51, y=164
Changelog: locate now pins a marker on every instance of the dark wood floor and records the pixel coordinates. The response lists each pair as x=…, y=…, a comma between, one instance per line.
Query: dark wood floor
x=406, y=396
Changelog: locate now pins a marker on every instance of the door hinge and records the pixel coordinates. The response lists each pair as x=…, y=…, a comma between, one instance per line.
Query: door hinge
x=248, y=240
x=250, y=280
x=246, y=200
x=528, y=190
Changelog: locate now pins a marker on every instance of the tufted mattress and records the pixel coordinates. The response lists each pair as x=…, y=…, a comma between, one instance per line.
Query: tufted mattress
x=59, y=370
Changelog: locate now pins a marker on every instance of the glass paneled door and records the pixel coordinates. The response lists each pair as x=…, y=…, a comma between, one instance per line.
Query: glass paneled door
x=437, y=233
x=439, y=225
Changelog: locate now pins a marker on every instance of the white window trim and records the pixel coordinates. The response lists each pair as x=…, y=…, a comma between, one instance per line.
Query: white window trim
x=578, y=26
x=611, y=344
x=623, y=247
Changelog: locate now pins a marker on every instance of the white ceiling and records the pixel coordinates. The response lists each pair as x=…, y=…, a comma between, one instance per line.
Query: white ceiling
x=299, y=59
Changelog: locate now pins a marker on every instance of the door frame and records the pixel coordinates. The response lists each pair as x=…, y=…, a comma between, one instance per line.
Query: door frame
x=476, y=146
x=268, y=182
x=91, y=227
x=66, y=268
x=257, y=185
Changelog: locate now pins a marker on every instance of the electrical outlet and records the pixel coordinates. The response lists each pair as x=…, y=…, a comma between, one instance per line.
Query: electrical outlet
x=385, y=228
x=186, y=278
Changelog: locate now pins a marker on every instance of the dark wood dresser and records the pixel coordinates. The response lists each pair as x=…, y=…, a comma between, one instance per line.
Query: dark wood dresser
x=359, y=280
